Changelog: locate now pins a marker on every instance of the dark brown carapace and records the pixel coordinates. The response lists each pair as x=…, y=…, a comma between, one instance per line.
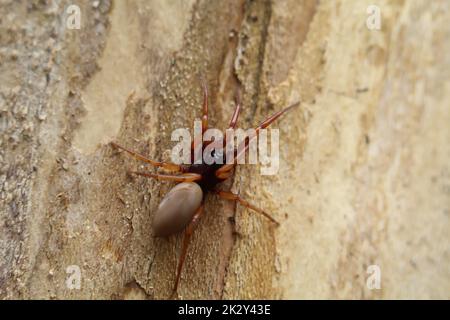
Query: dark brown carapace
x=182, y=206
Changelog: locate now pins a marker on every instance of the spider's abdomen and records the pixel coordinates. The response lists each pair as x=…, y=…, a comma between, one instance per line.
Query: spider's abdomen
x=177, y=209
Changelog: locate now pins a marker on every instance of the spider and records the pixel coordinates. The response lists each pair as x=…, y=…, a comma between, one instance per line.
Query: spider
x=182, y=206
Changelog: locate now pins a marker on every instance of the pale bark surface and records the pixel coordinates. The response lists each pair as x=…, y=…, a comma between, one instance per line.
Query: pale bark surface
x=365, y=160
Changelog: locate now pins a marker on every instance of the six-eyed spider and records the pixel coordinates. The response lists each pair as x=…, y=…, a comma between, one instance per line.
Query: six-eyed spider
x=182, y=206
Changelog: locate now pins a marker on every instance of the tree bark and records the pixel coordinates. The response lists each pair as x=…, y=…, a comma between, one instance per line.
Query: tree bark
x=364, y=174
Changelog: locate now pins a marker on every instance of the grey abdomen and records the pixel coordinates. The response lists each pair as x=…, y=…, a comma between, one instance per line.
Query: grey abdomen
x=177, y=209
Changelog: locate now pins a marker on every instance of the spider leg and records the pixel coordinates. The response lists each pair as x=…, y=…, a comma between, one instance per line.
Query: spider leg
x=205, y=107
x=185, y=177
x=186, y=240
x=232, y=125
x=225, y=174
x=204, y=116
x=264, y=124
x=236, y=112
x=137, y=156
x=275, y=116
x=235, y=197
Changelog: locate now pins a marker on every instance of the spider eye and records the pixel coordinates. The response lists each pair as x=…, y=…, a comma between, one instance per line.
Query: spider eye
x=217, y=154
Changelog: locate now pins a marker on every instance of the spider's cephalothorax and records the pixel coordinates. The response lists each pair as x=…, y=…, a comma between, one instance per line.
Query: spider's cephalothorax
x=182, y=206
x=208, y=172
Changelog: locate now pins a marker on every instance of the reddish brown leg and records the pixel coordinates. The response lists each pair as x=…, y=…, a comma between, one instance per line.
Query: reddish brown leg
x=186, y=240
x=185, y=177
x=204, y=115
x=231, y=196
x=236, y=112
x=165, y=165
x=275, y=116
x=205, y=108
x=220, y=173
x=225, y=175
x=233, y=122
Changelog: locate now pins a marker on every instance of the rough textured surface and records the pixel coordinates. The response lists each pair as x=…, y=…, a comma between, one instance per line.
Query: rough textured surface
x=365, y=161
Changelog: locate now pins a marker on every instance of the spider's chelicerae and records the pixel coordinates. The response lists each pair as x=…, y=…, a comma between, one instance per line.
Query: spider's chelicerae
x=182, y=206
